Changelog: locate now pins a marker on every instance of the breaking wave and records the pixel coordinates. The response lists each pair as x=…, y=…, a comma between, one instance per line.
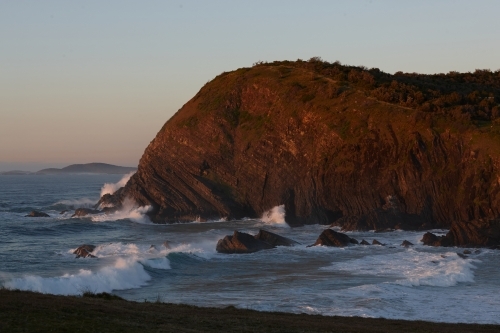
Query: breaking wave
x=110, y=188
x=129, y=211
x=123, y=274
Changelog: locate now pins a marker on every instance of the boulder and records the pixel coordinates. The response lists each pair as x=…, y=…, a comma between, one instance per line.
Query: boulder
x=36, y=213
x=241, y=242
x=467, y=252
x=274, y=239
x=406, y=243
x=376, y=242
x=433, y=240
x=80, y=212
x=84, y=251
x=331, y=237
x=461, y=255
x=363, y=242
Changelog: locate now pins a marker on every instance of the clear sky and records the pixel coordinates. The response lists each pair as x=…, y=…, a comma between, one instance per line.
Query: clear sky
x=93, y=81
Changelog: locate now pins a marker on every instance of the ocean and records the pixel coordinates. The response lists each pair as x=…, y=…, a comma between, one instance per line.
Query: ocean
x=391, y=281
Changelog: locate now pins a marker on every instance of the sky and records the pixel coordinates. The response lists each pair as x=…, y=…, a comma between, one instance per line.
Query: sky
x=94, y=81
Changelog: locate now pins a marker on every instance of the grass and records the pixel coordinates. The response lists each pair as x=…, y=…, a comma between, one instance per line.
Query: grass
x=33, y=312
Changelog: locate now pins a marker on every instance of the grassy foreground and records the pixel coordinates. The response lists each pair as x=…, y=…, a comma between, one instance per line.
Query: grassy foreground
x=33, y=312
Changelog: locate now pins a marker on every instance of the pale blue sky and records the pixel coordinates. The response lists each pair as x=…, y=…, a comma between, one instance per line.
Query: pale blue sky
x=93, y=81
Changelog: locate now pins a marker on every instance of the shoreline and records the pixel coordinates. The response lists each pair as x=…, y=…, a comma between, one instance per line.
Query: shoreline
x=31, y=311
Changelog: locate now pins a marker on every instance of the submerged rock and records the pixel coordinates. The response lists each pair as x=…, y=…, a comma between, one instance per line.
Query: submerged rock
x=241, y=242
x=84, y=251
x=376, y=242
x=363, y=242
x=80, y=212
x=331, y=237
x=467, y=252
x=36, y=213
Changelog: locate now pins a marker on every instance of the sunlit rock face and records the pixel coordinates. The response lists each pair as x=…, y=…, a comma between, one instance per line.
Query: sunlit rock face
x=332, y=149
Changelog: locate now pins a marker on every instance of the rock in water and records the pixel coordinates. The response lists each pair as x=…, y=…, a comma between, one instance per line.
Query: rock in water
x=363, y=242
x=241, y=242
x=303, y=134
x=274, y=239
x=433, y=240
x=406, y=243
x=35, y=213
x=330, y=237
x=80, y=212
x=376, y=242
x=84, y=251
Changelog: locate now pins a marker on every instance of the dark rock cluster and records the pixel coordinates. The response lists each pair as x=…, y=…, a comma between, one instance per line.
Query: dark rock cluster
x=241, y=242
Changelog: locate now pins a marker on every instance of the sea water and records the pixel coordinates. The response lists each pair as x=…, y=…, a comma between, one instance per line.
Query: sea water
x=391, y=281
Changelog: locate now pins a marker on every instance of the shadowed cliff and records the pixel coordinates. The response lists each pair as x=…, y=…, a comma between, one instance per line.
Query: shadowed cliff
x=335, y=144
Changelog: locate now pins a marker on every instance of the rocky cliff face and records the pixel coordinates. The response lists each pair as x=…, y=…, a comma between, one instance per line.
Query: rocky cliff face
x=328, y=150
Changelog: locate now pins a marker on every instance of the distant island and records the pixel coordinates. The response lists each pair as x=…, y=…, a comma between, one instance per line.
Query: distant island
x=96, y=168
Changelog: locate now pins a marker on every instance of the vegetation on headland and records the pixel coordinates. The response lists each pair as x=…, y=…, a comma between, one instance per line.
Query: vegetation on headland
x=33, y=312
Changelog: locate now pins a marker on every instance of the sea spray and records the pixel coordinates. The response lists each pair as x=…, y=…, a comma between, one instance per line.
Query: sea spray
x=110, y=188
x=76, y=203
x=275, y=216
x=129, y=210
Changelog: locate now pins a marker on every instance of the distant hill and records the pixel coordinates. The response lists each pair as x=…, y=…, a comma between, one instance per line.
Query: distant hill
x=16, y=173
x=88, y=168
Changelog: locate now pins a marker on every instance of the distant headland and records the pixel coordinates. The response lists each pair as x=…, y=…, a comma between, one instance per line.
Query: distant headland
x=94, y=168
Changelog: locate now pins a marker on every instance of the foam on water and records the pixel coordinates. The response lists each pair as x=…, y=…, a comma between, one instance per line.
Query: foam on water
x=413, y=268
x=275, y=216
x=129, y=211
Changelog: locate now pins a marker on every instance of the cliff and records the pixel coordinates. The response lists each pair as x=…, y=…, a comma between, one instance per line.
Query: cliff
x=335, y=144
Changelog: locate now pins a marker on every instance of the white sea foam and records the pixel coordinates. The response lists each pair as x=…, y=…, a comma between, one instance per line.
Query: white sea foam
x=275, y=216
x=123, y=274
x=77, y=203
x=413, y=268
x=130, y=210
x=110, y=188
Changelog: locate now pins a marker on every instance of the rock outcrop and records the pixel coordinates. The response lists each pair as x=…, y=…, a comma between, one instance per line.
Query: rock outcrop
x=36, y=213
x=241, y=242
x=80, y=212
x=84, y=251
x=358, y=148
x=274, y=239
x=432, y=240
x=406, y=243
x=331, y=237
